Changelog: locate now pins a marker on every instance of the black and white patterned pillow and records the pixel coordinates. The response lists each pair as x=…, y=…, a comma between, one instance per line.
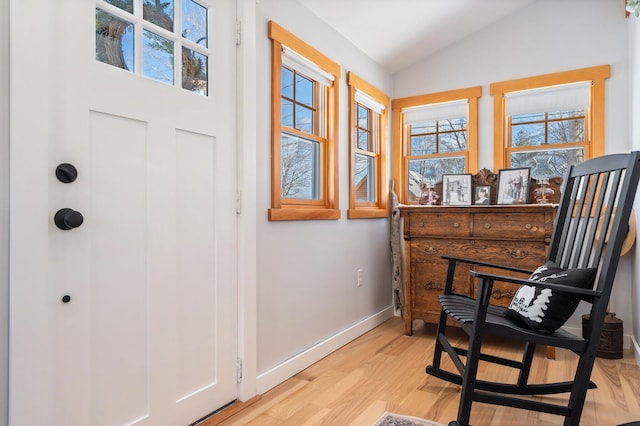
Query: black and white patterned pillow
x=545, y=310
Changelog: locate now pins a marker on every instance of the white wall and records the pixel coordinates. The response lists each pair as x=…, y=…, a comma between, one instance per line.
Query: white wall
x=633, y=25
x=546, y=37
x=4, y=211
x=307, y=299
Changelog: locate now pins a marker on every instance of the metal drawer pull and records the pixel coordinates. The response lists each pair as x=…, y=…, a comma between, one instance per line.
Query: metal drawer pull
x=502, y=294
x=456, y=225
x=528, y=226
x=431, y=250
x=487, y=225
x=432, y=285
x=518, y=254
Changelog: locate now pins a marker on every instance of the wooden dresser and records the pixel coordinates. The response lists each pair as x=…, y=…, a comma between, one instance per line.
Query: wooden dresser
x=515, y=235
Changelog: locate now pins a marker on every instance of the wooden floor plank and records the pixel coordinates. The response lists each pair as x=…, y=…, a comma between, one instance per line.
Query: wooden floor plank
x=384, y=370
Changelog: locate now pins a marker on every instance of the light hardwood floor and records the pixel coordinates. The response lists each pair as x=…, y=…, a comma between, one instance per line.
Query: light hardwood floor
x=383, y=370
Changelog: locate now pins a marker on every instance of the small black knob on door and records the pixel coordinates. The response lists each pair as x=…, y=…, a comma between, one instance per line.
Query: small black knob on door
x=66, y=173
x=66, y=219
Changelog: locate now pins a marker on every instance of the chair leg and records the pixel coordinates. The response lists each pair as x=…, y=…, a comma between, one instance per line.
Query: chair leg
x=579, y=389
x=527, y=359
x=469, y=378
x=438, y=349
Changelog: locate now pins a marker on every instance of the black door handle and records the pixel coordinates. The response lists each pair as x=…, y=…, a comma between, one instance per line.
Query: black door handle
x=66, y=219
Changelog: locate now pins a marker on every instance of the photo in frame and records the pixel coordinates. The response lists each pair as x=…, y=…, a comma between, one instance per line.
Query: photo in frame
x=482, y=195
x=456, y=190
x=513, y=186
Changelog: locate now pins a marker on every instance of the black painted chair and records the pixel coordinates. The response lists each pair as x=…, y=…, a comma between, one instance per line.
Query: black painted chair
x=590, y=226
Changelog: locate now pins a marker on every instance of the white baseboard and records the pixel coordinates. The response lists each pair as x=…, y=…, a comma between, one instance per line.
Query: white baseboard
x=294, y=365
x=635, y=348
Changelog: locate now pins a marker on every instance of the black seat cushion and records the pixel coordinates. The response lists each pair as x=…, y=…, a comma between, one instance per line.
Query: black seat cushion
x=544, y=310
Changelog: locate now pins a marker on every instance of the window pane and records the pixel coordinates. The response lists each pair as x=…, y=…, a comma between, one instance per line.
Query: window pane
x=363, y=117
x=287, y=113
x=304, y=119
x=423, y=145
x=422, y=128
x=126, y=5
x=527, y=134
x=194, y=71
x=566, y=131
x=453, y=142
x=304, y=91
x=566, y=114
x=114, y=41
x=286, y=82
x=547, y=163
x=527, y=118
x=453, y=124
x=300, y=173
x=159, y=12
x=365, y=179
x=363, y=140
x=431, y=170
x=157, y=57
x=194, y=22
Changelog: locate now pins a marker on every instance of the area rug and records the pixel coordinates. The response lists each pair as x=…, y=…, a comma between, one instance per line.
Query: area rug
x=391, y=419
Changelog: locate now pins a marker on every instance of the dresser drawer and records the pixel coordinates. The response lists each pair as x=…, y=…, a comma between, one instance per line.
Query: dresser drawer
x=427, y=283
x=528, y=226
x=440, y=224
x=502, y=293
x=519, y=254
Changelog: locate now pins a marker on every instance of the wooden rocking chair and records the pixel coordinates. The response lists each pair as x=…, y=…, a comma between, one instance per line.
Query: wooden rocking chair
x=590, y=227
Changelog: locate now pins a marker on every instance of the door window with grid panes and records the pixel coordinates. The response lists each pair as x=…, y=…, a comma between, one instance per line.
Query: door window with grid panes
x=164, y=40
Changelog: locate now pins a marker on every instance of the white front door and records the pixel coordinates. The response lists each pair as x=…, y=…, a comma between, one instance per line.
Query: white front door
x=130, y=316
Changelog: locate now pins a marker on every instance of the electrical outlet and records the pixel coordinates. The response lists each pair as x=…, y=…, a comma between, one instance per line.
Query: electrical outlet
x=360, y=275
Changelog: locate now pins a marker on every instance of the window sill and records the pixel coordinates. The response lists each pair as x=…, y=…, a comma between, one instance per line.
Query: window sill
x=368, y=214
x=303, y=214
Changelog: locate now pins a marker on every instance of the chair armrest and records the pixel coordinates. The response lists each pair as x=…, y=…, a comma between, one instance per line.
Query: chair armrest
x=584, y=293
x=487, y=264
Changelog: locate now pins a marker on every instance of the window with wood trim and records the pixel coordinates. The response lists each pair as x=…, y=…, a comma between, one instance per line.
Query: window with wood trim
x=549, y=122
x=304, y=113
x=434, y=134
x=368, y=111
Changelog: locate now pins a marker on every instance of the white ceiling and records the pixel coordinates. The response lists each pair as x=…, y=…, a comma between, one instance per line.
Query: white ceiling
x=398, y=33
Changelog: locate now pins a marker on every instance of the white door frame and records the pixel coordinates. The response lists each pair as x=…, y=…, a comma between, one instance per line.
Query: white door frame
x=29, y=98
x=4, y=212
x=246, y=169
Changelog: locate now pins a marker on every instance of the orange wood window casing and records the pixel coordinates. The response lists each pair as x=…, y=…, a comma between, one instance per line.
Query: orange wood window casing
x=400, y=139
x=594, y=120
x=380, y=208
x=327, y=206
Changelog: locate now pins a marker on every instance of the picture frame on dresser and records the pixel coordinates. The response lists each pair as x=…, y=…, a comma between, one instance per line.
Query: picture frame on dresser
x=456, y=189
x=482, y=195
x=513, y=186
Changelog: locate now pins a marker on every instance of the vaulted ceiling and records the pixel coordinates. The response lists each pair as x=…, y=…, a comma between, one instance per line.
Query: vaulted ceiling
x=398, y=33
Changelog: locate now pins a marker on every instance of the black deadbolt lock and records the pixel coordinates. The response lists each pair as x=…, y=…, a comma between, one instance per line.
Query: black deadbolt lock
x=66, y=173
x=66, y=219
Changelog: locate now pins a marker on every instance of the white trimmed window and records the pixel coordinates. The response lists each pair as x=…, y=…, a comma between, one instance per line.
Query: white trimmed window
x=167, y=40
